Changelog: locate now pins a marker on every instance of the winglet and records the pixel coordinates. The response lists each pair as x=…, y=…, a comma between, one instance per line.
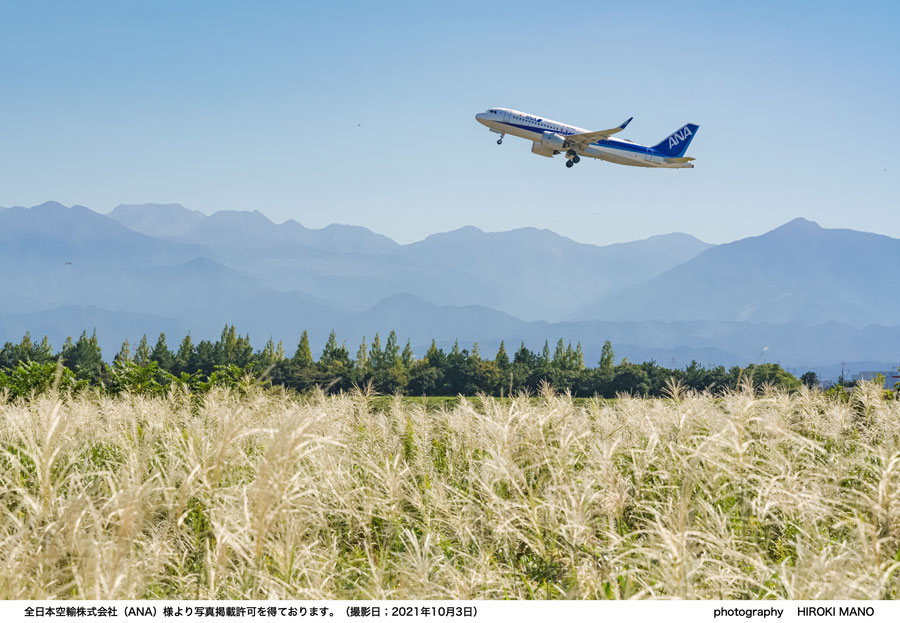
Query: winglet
x=622, y=127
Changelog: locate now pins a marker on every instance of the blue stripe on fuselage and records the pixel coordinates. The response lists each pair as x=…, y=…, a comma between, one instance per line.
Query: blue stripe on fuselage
x=605, y=143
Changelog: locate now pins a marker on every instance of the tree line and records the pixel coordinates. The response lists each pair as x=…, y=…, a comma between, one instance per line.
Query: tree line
x=382, y=364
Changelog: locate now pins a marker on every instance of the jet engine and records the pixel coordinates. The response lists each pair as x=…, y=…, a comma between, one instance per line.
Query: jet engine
x=554, y=141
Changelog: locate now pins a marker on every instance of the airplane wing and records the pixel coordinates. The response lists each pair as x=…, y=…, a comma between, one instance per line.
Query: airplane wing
x=586, y=138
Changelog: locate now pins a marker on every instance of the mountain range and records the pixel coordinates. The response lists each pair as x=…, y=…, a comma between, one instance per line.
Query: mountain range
x=530, y=273
x=809, y=296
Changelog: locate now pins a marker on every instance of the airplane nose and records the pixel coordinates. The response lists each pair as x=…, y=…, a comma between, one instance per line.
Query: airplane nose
x=481, y=117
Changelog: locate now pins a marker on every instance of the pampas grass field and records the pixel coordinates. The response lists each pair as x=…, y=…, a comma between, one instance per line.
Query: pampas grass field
x=273, y=495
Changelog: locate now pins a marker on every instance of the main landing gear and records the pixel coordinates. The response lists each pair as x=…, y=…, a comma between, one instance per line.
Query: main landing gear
x=572, y=159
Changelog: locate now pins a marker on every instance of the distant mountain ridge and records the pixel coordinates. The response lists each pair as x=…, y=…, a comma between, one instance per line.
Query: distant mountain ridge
x=528, y=272
x=796, y=272
x=801, y=292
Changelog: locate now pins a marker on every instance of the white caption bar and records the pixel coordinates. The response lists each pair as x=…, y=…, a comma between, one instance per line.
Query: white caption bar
x=486, y=611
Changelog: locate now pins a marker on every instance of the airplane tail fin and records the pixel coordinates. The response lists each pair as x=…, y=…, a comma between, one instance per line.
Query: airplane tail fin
x=674, y=145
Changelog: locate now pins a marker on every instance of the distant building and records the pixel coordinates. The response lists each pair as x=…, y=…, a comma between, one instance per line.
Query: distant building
x=891, y=377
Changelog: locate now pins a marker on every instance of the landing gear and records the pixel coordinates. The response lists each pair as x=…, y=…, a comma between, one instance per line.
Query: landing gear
x=500, y=140
x=569, y=164
x=576, y=159
x=572, y=158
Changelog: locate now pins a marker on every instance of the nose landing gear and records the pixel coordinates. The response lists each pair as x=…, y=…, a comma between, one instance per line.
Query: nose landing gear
x=500, y=140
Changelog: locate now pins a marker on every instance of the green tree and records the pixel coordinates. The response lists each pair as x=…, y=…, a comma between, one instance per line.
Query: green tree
x=299, y=372
x=460, y=373
x=267, y=358
x=32, y=377
x=770, y=374
x=162, y=355
x=407, y=356
x=428, y=376
x=334, y=366
x=233, y=349
x=391, y=350
x=142, y=354
x=579, y=357
x=184, y=358
x=303, y=357
x=629, y=378
x=488, y=377
x=25, y=351
x=206, y=358
x=84, y=358
x=559, y=355
x=810, y=379
x=607, y=361
x=545, y=354
x=124, y=355
x=362, y=371
x=501, y=358
x=376, y=354
x=388, y=370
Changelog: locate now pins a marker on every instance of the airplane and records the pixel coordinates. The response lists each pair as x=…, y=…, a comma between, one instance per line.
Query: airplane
x=552, y=137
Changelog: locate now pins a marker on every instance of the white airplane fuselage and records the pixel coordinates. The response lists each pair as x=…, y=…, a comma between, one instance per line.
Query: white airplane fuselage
x=543, y=132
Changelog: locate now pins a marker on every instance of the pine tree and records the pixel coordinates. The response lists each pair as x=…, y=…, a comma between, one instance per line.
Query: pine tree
x=162, y=355
x=545, y=354
x=501, y=358
x=376, y=355
x=142, y=354
x=84, y=357
x=362, y=357
x=435, y=356
x=407, y=357
x=267, y=355
x=45, y=351
x=330, y=353
x=26, y=346
x=124, y=355
x=303, y=357
x=391, y=351
x=524, y=356
x=227, y=346
x=607, y=362
x=579, y=357
x=559, y=355
x=184, y=358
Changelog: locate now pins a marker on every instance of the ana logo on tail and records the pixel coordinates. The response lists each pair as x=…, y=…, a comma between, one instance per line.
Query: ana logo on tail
x=679, y=136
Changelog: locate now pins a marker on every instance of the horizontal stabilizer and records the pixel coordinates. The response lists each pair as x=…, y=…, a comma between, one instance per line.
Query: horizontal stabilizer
x=677, y=160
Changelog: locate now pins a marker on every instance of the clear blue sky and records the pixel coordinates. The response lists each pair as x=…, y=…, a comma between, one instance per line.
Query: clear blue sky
x=360, y=114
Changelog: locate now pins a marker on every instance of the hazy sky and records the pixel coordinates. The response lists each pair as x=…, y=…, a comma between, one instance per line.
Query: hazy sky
x=360, y=114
